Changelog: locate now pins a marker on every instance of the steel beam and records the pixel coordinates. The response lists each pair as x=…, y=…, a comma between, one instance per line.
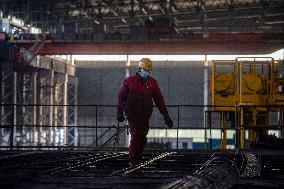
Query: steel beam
x=213, y=43
x=158, y=48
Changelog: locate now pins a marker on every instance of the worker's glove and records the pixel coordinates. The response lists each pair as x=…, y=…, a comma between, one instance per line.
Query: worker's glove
x=120, y=116
x=168, y=120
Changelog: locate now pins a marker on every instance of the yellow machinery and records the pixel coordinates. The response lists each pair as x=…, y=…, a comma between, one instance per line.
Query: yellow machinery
x=249, y=89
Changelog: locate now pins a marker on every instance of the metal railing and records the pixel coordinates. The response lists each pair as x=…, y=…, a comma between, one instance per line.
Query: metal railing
x=97, y=127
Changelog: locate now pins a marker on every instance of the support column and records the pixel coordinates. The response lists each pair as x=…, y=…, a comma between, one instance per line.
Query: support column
x=25, y=113
x=242, y=129
x=6, y=97
x=14, y=121
x=34, y=121
x=59, y=110
x=2, y=113
x=44, y=88
x=72, y=111
x=40, y=129
x=223, y=131
x=205, y=99
x=127, y=74
x=51, y=109
x=281, y=122
x=65, y=92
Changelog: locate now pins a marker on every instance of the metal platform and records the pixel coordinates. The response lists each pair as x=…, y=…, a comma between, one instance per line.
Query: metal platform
x=86, y=169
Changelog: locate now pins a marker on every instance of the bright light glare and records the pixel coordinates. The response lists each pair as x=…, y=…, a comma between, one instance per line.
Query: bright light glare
x=99, y=57
x=278, y=55
x=168, y=57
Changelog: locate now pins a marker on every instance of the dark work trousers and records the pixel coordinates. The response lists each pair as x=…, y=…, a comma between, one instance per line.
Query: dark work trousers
x=139, y=127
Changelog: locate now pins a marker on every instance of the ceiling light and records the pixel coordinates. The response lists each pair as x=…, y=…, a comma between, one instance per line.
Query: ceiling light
x=176, y=30
x=144, y=11
x=115, y=13
x=274, y=22
x=124, y=21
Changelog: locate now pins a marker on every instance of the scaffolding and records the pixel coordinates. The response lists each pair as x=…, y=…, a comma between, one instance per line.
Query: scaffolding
x=38, y=103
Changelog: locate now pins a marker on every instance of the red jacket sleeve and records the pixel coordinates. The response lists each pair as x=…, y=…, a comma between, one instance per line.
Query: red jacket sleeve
x=122, y=96
x=159, y=100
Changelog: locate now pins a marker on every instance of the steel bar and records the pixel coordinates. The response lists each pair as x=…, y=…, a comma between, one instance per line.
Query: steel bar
x=18, y=155
x=223, y=176
x=129, y=170
x=32, y=170
x=42, y=162
x=113, y=137
x=86, y=162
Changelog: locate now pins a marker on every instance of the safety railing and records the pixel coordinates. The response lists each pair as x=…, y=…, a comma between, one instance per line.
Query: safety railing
x=95, y=127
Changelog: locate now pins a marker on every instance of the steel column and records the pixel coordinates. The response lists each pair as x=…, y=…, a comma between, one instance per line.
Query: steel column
x=25, y=115
x=34, y=121
x=59, y=118
x=44, y=88
x=205, y=99
x=224, y=127
x=6, y=97
x=13, y=128
x=281, y=122
x=51, y=108
x=65, y=102
x=72, y=112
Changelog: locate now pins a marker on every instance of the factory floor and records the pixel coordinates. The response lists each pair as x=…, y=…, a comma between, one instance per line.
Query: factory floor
x=104, y=169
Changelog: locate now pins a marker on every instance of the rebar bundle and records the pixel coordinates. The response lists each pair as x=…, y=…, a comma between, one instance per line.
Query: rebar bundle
x=220, y=176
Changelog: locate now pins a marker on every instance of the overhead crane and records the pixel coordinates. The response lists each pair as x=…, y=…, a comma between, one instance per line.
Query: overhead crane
x=215, y=43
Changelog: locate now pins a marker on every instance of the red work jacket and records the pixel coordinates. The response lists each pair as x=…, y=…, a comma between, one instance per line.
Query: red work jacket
x=135, y=96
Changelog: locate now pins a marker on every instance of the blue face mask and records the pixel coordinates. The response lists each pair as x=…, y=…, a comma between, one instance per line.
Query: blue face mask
x=144, y=73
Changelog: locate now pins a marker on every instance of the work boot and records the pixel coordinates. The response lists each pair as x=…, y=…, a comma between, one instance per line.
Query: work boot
x=139, y=160
x=132, y=164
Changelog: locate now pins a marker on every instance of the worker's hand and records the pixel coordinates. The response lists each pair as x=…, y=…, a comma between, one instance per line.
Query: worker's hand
x=168, y=121
x=120, y=116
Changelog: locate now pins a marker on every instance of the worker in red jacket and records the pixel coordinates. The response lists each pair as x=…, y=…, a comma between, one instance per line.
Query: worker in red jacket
x=135, y=102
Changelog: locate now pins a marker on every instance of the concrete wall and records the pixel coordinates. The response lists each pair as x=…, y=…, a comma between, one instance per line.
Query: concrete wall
x=98, y=85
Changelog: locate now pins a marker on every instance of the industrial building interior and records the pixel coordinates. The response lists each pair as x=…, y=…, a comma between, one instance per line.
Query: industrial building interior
x=63, y=62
